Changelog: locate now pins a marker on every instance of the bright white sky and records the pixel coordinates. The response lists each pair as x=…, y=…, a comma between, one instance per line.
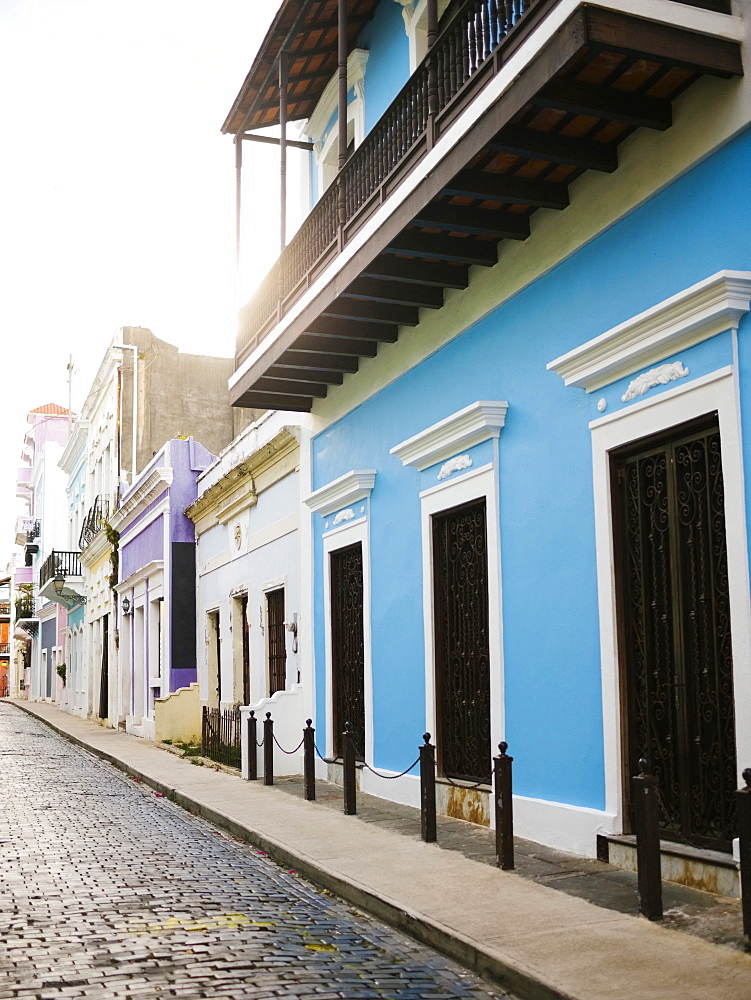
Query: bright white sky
x=117, y=189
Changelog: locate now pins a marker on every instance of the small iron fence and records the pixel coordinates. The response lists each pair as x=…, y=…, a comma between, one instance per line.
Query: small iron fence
x=220, y=736
x=24, y=607
x=4, y=607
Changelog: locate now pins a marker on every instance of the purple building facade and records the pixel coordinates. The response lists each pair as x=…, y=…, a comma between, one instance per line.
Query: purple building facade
x=156, y=614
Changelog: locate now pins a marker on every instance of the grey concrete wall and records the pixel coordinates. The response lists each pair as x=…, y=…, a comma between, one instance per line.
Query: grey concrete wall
x=178, y=395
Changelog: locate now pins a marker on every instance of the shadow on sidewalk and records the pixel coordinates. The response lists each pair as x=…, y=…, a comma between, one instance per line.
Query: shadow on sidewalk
x=717, y=919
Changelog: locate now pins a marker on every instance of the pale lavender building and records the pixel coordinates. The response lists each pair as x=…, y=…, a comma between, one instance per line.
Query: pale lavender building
x=156, y=616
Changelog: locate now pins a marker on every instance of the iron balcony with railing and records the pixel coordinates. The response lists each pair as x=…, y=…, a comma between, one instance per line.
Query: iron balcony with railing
x=442, y=182
x=4, y=608
x=25, y=607
x=95, y=521
x=67, y=563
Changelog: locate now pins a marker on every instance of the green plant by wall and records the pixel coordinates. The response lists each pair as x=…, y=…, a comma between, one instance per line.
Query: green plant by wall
x=113, y=537
x=61, y=672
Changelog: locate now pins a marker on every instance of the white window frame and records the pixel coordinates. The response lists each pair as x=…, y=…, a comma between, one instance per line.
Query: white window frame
x=718, y=392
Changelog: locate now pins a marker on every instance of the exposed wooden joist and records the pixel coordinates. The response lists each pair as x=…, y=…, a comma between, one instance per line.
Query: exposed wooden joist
x=401, y=292
x=268, y=401
x=426, y=245
x=479, y=221
x=352, y=329
x=377, y=312
x=555, y=148
x=417, y=272
x=290, y=388
x=323, y=361
x=303, y=374
x=335, y=346
x=512, y=190
x=602, y=102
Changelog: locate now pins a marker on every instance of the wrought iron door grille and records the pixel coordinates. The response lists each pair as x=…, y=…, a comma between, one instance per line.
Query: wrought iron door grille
x=462, y=653
x=675, y=631
x=348, y=646
x=276, y=640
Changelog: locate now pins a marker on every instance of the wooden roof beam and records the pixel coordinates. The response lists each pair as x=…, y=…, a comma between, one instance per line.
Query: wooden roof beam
x=555, y=148
x=270, y=401
x=298, y=374
x=286, y=387
x=403, y=293
x=324, y=362
x=376, y=312
x=353, y=328
x=439, y=275
x=430, y=247
x=509, y=189
x=477, y=221
x=600, y=102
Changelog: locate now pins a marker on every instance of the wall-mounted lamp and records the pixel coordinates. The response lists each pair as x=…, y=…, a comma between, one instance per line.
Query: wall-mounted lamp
x=291, y=626
x=58, y=582
x=125, y=604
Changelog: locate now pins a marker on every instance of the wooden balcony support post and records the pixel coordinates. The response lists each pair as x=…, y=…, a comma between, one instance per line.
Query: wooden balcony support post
x=432, y=71
x=238, y=197
x=283, y=149
x=342, y=112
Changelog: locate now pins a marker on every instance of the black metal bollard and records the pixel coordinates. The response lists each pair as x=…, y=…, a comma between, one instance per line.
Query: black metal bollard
x=504, y=808
x=646, y=816
x=427, y=791
x=348, y=762
x=743, y=801
x=309, y=760
x=252, y=746
x=268, y=750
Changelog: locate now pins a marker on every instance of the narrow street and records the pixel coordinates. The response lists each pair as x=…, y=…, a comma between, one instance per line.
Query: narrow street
x=110, y=891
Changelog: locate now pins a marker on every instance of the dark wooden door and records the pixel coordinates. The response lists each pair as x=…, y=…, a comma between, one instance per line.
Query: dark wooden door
x=276, y=640
x=462, y=653
x=674, y=625
x=245, y=648
x=104, y=677
x=348, y=646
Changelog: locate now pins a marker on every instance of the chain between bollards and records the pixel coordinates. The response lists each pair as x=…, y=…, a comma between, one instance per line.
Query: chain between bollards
x=504, y=808
x=268, y=750
x=743, y=802
x=646, y=822
x=309, y=760
x=348, y=761
x=427, y=791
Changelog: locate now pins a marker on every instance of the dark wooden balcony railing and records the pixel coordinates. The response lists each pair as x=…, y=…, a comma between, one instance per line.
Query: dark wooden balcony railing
x=462, y=50
x=67, y=563
x=4, y=607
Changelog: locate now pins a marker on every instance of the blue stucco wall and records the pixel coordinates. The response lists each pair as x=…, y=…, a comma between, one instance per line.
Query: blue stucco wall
x=388, y=64
x=550, y=613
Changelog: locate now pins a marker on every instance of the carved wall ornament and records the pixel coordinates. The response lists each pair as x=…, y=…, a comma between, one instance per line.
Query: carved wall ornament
x=455, y=464
x=238, y=536
x=344, y=515
x=655, y=376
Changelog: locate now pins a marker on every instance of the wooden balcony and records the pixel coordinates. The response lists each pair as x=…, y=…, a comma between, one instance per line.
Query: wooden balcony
x=600, y=75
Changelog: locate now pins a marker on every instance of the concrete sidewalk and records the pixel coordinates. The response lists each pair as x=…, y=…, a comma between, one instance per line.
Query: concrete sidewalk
x=535, y=941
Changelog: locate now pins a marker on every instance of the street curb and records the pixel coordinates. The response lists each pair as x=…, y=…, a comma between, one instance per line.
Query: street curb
x=500, y=970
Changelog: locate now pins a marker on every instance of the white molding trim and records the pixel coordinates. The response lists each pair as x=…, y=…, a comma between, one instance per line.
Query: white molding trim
x=141, y=496
x=648, y=417
x=342, y=492
x=329, y=101
x=697, y=313
x=474, y=424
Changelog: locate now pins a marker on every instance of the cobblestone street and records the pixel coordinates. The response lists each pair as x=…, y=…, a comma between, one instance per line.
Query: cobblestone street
x=110, y=891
